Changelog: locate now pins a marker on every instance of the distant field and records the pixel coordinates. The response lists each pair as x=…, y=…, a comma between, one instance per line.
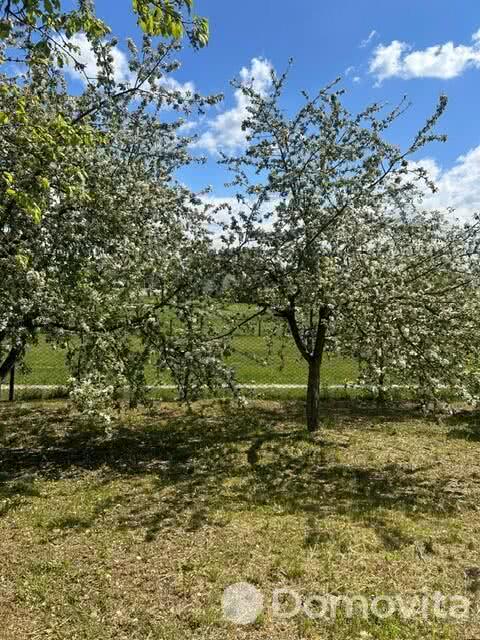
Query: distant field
x=251, y=360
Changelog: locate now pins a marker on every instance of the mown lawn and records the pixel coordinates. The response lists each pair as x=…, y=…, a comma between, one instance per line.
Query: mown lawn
x=254, y=360
x=135, y=534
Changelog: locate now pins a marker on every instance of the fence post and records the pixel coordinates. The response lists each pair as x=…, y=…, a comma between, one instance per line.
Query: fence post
x=11, y=387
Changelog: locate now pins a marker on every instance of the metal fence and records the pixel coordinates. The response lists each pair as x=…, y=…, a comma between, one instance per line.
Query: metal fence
x=261, y=360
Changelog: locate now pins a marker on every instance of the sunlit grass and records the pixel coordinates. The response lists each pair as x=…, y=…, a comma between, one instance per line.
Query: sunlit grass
x=136, y=533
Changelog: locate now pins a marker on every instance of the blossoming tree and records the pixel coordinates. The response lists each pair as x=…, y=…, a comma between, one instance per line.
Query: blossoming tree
x=412, y=320
x=330, y=237
x=102, y=251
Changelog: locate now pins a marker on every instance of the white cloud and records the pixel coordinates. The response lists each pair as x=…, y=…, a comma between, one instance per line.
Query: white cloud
x=174, y=85
x=87, y=58
x=458, y=187
x=187, y=127
x=350, y=72
x=438, y=61
x=386, y=61
x=364, y=43
x=121, y=72
x=223, y=215
x=225, y=131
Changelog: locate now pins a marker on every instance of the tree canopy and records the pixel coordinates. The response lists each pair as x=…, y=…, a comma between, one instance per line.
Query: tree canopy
x=331, y=236
x=42, y=20
x=106, y=254
x=102, y=252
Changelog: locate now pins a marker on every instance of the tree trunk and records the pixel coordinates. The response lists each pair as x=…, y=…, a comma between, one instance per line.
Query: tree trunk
x=11, y=386
x=9, y=362
x=381, y=400
x=313, y=357
x=313, y=394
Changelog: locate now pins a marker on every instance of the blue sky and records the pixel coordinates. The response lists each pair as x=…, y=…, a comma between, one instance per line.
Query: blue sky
x=418, y=48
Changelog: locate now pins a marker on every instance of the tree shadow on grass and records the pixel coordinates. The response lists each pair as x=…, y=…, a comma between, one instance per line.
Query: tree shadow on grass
x=464, y=425
x=12, y=490
x=202, y=469
x=294, y=485
x=339, y=411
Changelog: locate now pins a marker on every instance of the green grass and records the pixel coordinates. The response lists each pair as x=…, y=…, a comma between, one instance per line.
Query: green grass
x=135, y=534
x=46, y=365
x=253, y=361
x=256, y=360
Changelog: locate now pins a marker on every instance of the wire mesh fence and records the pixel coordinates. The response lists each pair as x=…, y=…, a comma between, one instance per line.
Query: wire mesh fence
x=261, y=358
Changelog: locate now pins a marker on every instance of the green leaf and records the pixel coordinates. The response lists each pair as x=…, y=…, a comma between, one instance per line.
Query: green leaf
x=5, y=28
x=36, y=213
x=176, y=29
x=44, y=183
x=42, y=48
x=22, y=261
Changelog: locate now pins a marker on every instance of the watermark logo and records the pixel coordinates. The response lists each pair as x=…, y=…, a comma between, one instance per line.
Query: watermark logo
x=242, y=603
